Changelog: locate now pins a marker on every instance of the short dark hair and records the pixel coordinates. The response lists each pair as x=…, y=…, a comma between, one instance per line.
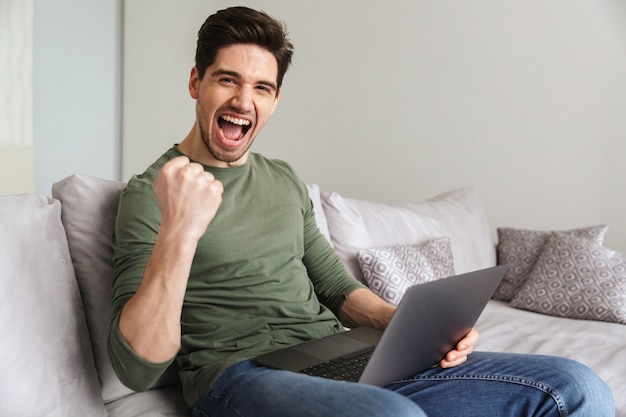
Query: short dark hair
x=242, y=25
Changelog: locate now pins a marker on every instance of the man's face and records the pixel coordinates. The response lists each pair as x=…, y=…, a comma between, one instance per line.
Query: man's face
x=234, y=100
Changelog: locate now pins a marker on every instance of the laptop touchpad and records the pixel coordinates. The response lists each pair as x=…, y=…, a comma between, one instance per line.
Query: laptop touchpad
x=332, y=347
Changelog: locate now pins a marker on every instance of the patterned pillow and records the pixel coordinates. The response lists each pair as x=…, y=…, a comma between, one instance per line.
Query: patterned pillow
x=521, y=248
x=577, y=278
x=390, y=271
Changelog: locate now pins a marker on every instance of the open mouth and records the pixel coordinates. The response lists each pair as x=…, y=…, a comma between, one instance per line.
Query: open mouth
x=233, y=128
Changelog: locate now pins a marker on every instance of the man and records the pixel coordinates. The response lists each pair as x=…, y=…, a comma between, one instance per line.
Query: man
x=218, y=259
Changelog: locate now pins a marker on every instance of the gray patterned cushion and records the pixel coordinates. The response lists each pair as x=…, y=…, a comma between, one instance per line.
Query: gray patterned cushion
x=521, y=248
x=576, y=278
x=390, y=271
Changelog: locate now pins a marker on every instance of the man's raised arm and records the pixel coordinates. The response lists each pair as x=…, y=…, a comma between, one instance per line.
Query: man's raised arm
x=188, y=198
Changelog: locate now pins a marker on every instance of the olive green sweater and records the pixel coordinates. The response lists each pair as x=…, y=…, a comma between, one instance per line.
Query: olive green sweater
x=263, y=277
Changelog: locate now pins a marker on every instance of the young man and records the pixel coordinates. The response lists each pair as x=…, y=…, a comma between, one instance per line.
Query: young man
x=218, y=259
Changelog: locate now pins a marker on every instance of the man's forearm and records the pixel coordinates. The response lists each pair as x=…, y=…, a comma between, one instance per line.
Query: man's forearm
x=150, y=320
x=364, y=308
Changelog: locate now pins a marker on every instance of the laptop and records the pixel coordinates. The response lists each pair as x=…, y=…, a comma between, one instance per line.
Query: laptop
x=429, y=321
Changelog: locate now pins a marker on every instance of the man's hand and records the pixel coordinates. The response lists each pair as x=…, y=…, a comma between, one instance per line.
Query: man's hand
x=364, y=308
x=463, y=349
x=188, y=196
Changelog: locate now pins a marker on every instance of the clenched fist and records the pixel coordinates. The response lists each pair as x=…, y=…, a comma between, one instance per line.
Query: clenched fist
x=188, y=197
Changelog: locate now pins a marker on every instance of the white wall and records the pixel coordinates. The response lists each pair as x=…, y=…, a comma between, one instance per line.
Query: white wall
x=17, y=172
x=76, y=89
x=16, y=71
x=398, y=101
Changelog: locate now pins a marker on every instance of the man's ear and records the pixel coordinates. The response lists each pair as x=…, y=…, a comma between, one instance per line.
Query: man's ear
x=276, y=101
x=194, y=84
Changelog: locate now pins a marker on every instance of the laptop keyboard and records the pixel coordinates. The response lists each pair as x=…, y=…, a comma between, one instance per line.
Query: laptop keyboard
x=342, y=369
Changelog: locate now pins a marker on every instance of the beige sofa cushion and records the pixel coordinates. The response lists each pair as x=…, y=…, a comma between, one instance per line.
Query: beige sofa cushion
x=47, y=363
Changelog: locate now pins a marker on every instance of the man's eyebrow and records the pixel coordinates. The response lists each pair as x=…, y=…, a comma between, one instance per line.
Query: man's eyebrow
x=269, y=84
x=225, y=72
x=235, y=74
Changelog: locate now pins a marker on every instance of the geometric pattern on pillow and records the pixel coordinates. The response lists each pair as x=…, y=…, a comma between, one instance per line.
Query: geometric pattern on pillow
x=520, y=249
x=576, y=278
x=389, y=272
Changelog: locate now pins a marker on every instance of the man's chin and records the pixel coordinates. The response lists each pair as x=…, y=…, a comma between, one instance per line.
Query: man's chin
x=230, y=157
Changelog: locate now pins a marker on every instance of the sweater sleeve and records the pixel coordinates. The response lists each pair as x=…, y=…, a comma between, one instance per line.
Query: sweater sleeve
x=133, y=371
x=134, y=236
x=332, y=282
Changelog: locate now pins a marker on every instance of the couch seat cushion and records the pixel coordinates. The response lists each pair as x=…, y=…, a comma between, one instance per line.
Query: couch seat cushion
x=159, y=402
x=599, y=345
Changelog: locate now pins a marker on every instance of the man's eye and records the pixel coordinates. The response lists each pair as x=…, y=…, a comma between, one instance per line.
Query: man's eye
x=227, y=80
x=265, y=89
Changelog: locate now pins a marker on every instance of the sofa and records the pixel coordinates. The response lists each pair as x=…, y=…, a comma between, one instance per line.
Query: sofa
x=56, y=280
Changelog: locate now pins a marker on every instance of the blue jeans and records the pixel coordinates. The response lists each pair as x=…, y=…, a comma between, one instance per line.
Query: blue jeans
x=488, y=384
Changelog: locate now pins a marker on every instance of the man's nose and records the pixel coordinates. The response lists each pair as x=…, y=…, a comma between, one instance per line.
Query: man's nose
x=243, y=99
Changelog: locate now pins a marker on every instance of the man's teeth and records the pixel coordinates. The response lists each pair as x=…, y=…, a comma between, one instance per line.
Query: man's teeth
x=236, y=121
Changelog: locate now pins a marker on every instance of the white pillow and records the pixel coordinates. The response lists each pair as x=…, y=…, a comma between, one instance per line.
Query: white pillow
x=355, y=225
x=47, y=363
x=320, y=218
